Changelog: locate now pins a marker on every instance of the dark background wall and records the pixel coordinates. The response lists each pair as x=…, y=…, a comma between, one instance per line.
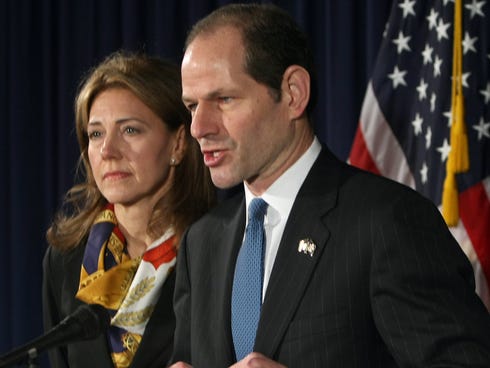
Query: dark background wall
x=45, y=48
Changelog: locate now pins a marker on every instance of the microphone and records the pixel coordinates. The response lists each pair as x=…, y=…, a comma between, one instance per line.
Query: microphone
x=86, y=323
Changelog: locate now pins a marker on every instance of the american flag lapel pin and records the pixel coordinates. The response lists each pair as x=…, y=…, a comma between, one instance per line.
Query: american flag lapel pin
x=307, y=246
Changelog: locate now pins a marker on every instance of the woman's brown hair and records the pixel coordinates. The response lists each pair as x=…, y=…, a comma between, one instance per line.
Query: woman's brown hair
x=156, y=83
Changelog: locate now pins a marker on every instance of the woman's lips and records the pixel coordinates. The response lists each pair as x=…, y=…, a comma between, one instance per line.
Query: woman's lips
x=115, y=175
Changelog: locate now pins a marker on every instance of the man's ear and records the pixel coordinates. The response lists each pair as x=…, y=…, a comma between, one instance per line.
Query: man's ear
x=296, y=90
x=179, y=145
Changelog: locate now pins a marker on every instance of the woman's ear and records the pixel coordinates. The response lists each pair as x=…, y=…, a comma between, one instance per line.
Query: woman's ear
x=296, y=90
x=179, y=146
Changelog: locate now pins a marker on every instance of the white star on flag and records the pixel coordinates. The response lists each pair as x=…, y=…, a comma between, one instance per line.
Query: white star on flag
x=417, y=124
x=432, y=18
x=444, y=150
x=402, y=42
x=469, y=43
x=476, y=8
x=427, y=54
x=483, y=129
x=422, y=89
x=407, y=7
x=397, y=77
x=486, y=93
x=442, y=30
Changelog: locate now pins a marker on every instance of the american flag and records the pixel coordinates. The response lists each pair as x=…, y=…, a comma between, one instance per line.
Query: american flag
x=405, y=122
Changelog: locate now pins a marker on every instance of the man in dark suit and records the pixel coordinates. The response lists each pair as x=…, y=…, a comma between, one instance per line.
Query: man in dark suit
x=358, y=271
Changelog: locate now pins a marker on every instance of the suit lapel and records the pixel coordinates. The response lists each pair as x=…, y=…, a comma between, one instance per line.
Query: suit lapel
x=292, y=269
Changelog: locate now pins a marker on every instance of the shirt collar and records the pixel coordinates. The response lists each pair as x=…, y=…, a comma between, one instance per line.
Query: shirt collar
x=281, y=194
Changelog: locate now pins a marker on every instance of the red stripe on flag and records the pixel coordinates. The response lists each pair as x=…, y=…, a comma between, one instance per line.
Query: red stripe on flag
x=360, y=156
x=474, y=209
x=380, y=144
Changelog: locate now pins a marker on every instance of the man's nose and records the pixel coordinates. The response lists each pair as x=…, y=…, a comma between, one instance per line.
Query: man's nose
x=205, y=120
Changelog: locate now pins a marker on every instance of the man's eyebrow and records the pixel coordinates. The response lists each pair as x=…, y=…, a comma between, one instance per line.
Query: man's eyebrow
x=208, y=96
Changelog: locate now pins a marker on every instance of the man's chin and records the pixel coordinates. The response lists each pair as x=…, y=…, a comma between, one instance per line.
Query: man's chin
x=224, y=181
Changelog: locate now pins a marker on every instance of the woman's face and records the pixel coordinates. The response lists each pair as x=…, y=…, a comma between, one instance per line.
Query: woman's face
x=130, y=149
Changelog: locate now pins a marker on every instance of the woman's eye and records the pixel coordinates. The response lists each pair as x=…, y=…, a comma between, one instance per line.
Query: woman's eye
x=226, y=99
x=94, y=134
x=130, y=130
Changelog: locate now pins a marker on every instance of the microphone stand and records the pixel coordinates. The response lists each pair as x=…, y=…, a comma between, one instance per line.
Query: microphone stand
x=32, y=358
x=21, y=356
x=29, y=352
x=86, y=323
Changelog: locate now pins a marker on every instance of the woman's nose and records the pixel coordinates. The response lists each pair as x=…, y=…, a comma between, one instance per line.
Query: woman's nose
x=110, y=147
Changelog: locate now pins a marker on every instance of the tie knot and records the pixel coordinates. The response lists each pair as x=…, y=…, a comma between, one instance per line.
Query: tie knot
x=257, y=209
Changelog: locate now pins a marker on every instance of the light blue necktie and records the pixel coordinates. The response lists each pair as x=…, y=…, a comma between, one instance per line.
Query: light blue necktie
x=246, y=298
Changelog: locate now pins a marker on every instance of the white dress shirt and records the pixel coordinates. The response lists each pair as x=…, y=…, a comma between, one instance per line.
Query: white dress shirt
x=280, y=197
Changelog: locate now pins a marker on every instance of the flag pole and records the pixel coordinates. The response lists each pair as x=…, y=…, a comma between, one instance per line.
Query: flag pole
x=458, y=158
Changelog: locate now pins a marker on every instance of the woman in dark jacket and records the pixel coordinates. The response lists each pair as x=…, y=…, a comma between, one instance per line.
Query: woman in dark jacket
x=114, y=242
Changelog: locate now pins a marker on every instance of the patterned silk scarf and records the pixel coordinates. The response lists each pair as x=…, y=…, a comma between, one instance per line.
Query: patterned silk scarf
x=128, y=288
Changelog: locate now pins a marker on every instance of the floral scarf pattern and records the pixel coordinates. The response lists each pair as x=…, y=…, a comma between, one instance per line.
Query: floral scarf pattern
x=128, y=288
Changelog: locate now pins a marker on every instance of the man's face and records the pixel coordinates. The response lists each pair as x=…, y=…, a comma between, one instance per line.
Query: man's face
x=243, y=132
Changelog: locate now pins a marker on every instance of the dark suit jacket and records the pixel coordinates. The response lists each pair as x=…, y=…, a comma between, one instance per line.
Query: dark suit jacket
x=60, y=284
x=387, y=284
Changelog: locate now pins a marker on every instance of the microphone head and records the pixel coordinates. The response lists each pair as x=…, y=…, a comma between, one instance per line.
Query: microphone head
x=93, y=320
